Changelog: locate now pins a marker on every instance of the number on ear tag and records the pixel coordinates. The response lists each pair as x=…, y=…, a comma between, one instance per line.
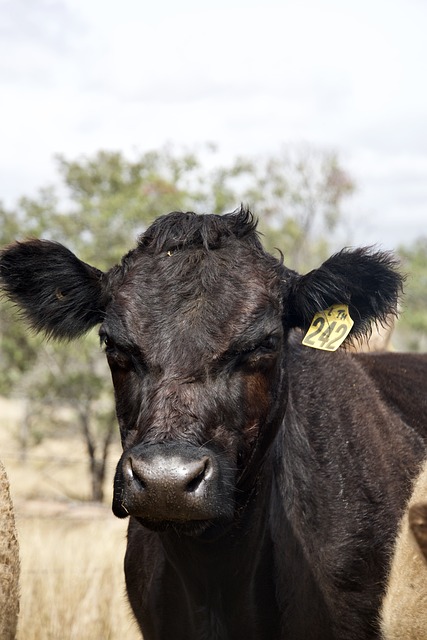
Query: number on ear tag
x=329, y=328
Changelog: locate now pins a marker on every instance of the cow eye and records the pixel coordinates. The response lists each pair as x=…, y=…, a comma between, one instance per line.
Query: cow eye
x=116, y=357
x=106, y=342
x=268, y=345
x=259, y=354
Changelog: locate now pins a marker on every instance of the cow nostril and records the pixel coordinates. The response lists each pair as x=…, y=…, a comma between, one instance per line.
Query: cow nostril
x=200, y=474
x=133, y=472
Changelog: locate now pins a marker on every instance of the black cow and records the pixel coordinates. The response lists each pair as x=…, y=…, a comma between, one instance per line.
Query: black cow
x=264, y=479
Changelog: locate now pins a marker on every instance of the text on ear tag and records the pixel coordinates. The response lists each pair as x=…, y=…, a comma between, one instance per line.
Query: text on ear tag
x=329, y=328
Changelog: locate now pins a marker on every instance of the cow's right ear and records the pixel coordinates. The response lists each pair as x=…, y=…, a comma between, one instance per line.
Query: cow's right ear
x=57, y=293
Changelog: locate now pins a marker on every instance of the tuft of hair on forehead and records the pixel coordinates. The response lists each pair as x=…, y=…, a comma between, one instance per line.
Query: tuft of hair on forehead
x=179, y=230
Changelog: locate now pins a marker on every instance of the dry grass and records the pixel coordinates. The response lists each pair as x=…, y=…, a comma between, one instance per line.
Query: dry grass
x=72, y=582
x=72, y=585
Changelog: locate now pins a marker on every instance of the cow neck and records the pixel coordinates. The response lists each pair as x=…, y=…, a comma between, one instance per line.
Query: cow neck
x=221, y=576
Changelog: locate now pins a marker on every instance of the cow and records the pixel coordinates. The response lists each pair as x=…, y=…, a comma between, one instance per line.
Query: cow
x=264, y=477
x=9, y=562
x=404, y=609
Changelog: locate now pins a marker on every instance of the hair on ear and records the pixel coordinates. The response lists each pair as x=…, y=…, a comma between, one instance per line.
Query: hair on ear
x=368, y=281
x=56, y=292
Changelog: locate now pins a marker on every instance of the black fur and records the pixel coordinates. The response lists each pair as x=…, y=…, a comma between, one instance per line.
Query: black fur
x=178, y=230
x=366, y=280
x=58, y=293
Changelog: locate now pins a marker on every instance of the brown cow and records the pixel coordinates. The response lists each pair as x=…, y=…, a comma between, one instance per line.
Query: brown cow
x=404, y=610
x=9, y=563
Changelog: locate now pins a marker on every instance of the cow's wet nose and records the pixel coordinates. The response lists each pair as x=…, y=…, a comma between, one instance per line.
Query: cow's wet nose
x=167, y=484
x=174, y=476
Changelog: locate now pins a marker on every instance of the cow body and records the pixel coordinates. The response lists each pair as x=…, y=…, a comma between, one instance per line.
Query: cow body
x=404, y=609
x=264, y=479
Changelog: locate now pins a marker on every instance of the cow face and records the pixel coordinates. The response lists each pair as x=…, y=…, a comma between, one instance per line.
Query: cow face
x=193, y=338
x=194, y=323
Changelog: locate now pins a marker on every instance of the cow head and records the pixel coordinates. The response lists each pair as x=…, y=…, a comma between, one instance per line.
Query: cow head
x=194, y=323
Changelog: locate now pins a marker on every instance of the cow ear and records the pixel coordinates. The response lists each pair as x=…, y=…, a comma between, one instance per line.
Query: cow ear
x=57, y=293
x=368, y=281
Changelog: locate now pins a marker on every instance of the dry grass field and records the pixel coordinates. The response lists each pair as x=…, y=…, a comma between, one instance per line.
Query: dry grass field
x=72, y=585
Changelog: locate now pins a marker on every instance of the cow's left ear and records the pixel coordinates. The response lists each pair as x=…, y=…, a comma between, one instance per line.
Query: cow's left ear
x=367, y=281
x=57, y=293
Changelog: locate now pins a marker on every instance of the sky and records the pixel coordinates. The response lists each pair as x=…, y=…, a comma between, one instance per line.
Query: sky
x=250, y=76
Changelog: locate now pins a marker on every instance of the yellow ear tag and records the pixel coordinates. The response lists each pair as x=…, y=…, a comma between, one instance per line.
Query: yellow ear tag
x=329, y=328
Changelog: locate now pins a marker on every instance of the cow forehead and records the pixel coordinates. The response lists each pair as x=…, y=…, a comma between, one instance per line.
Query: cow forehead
x=206, y=297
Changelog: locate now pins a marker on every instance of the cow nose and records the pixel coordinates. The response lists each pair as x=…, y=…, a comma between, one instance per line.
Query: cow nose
x=175, y=476
x=171, y=483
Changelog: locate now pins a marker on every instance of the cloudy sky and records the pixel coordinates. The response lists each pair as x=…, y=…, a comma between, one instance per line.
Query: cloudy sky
x=80, y=75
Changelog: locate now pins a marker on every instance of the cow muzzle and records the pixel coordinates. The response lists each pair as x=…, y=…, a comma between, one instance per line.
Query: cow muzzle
x=168, y=483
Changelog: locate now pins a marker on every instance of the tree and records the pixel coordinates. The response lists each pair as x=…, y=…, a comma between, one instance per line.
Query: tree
x=413, y=322
x=297, y=194
x=18, y=348
x=77, y=381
